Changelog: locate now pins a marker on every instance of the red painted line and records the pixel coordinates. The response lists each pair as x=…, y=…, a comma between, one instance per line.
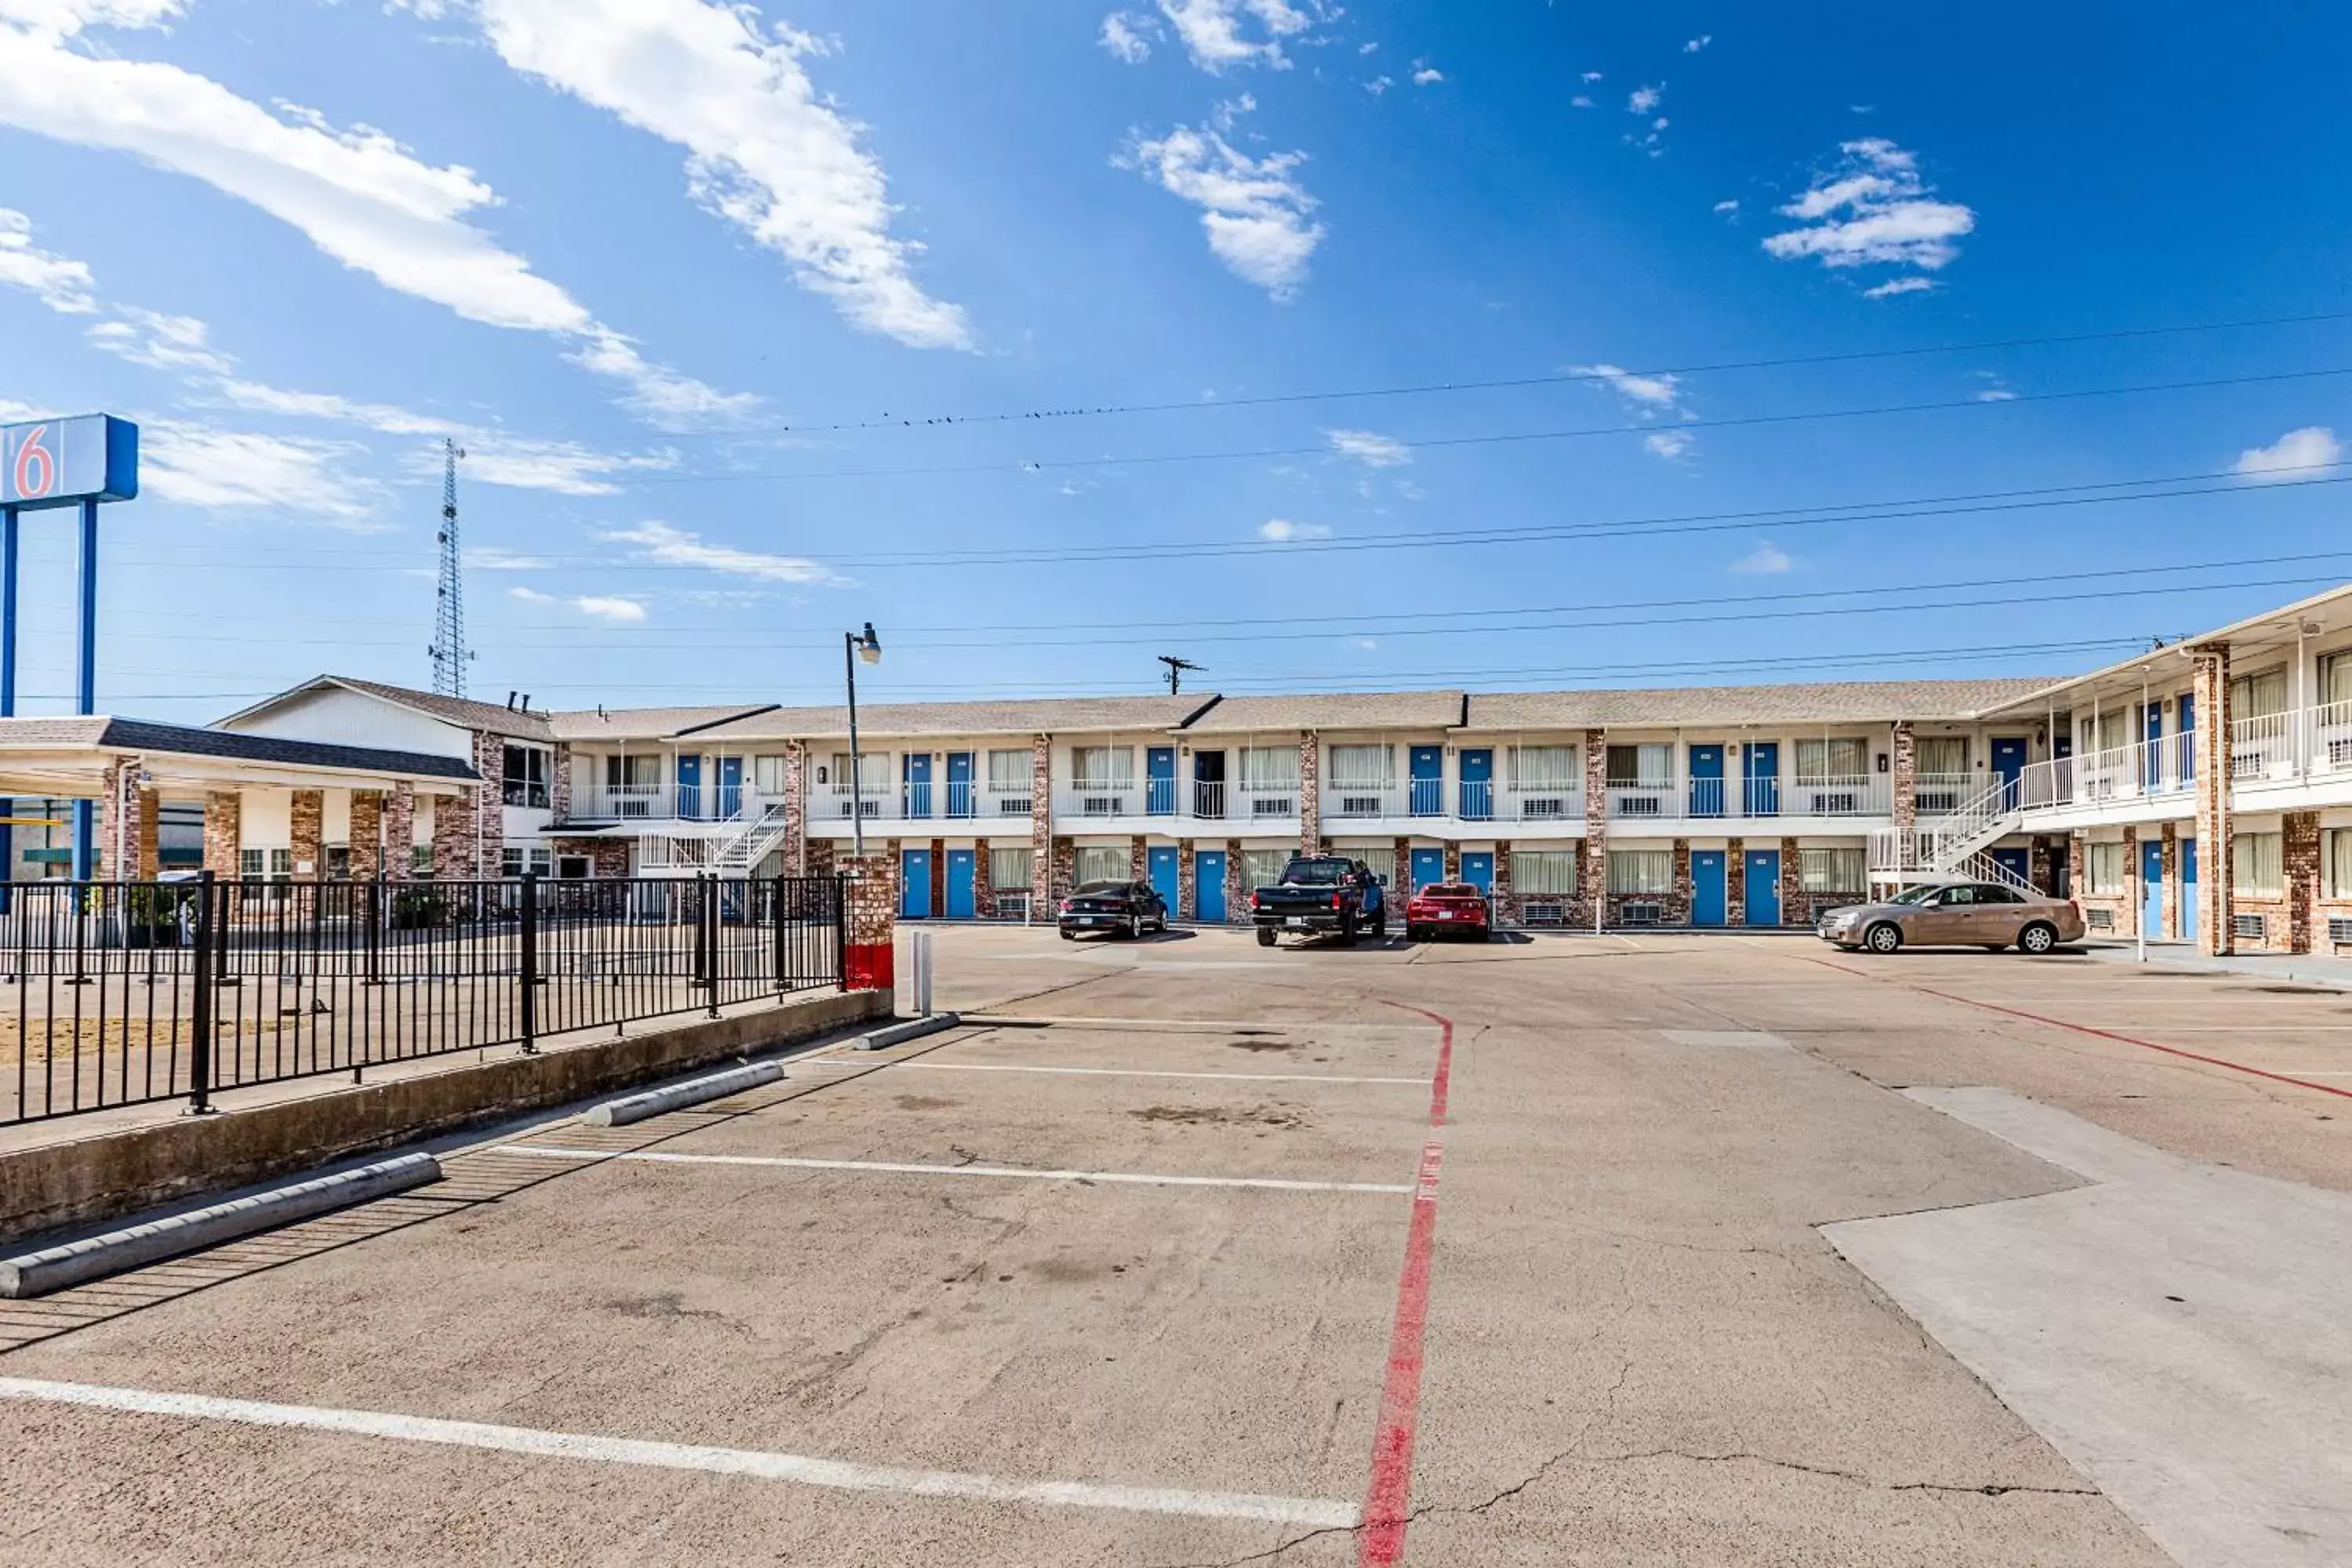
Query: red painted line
x=2102, y=1033
x=1388, y=1500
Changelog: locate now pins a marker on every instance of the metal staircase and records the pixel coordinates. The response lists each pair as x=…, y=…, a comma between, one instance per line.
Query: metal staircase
x=739, y=854
x=1955, y=845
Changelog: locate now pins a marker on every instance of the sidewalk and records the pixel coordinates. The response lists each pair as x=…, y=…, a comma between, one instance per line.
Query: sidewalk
x=2297, y=968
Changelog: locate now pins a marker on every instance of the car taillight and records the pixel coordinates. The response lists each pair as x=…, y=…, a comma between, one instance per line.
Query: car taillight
x=1065, y=906
x=1336, y=900
x=1252, y=900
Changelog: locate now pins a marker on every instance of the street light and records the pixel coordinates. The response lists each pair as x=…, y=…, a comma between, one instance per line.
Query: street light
x=855, y=645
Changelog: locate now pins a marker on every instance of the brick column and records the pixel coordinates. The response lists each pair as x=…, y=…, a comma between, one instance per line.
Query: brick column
x=117, y=825
x=1061, y=872
x=487, y=822
x=869, y=940
x=2299, y=868
x=984, y=886
x=1310, y=794
x=2041, y=866
x=367, y=834
x=2215, y=865
x=2168, y=922
x=1678, y=903
x=2078, y=863
x=1505, y=902
x=453, y=836
x=558, y=788
x=1138, y=863
x=224, y=832
x=308, y=814
x=1595, y=863
x=1453, y=860
x=1906, y=766
x=795, y=809
x=1402, y=880
x=2135, y=910
x=1237, y=889
x=1188, y=893
x=1735, y=882
x=399, y=832
x=938, y=848
x=1041, y=826
x=1793, y=910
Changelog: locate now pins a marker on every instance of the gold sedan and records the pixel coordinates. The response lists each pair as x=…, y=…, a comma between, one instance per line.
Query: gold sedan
x=1955, y=914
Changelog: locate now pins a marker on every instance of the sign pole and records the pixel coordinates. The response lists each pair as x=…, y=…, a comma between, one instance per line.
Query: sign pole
x=8, y=688
x=85, y=816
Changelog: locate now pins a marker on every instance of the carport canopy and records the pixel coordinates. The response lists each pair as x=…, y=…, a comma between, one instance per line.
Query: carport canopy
x=68, y=759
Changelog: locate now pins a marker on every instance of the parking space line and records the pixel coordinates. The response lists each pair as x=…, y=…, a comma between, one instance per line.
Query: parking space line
x=837, y=1474
x=909, y=1168
x=1177, y=1025
x=1128, y=1072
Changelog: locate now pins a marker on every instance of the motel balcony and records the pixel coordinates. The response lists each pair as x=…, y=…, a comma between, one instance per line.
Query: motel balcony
x=948, y=809
x=1437, y=807
x=2295, y=759
x=1696, y=805
x=601, y=804
x=1173, y=807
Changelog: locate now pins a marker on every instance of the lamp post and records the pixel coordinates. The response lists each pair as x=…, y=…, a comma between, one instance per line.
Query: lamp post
x=854, y=645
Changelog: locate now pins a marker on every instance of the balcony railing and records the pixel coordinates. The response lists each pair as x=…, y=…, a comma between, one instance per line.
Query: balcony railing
x=678, y=802
x=2139, y=771
x=2262, y=747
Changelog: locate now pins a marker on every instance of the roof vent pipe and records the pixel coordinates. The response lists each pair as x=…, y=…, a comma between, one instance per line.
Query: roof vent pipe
x=511, y=697
x=526, y=701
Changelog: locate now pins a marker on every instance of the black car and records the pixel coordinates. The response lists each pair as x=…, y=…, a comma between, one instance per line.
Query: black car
x=1115, y=909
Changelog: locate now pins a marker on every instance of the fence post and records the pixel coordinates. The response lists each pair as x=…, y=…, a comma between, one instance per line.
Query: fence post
x=841, y=933
x=777, y=920
x=199, y=1047
x=529, y=964
x=710, y=896
x=375, y=929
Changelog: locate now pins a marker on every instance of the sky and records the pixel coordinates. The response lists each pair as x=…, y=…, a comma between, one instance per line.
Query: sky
x=1383, y=346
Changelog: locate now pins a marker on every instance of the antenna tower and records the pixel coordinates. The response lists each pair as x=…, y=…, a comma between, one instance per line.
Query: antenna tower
x=450, y=654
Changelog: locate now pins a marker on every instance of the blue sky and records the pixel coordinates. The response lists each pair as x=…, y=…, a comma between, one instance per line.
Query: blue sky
x=674, y=274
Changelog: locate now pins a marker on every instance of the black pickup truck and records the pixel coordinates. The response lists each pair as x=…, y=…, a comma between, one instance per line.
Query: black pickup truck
x=1326, y=893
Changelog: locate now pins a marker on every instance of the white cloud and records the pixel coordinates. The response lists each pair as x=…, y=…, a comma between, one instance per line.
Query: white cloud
x=1728, y=208
x=1211, y=31
x=1644, y=100
x=531, y=595
x=1649, y=393
x=1695, y=44
x=1426, y=75
x=1996, y=395
x=678, y=547
x=2298, y=454
x=1368, y=643
x=497, y=558
x=1123, y=35
x=1873, y=209
x=766, y=152
x=58, y=19
x=662, y=397
x=1257, y=216
x=1765, y=561
x=178, y=343
x=1589, y=77
x=1671, y=445
x=1894, y=286
x=605, y=609
x=1369, y=447
x=1411, y=491
x=59, y=283
x=1580, y=102
x=1282, y=530
x=1372, y=48
x=1379, y=85
x=229, y=470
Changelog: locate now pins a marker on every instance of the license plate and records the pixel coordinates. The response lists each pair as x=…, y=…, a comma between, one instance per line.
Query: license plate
x=1447, y=915
x=1297, y=922
x=1090, y=920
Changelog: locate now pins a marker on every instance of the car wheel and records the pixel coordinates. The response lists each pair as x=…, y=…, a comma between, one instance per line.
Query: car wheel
x=1883, y=937
x=1264, y=937
x=2037, y=939
x=1069, y=936
x=1347, y=931
x=1135, y=928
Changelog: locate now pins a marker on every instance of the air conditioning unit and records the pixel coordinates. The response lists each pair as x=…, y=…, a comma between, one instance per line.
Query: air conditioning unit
x=2249, y=927
x=1273, y=805
x=1360, y=805
x=1099, y=806
x=1640, y=805
x=2099, y=919
x=1641, y=914
x=1013, y=907
x=1544, y=912
x=1534, y=808
x=1012, y=806
x=2340, y=929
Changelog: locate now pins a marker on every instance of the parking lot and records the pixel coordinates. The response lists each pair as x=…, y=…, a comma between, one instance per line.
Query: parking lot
x=1605, y=1251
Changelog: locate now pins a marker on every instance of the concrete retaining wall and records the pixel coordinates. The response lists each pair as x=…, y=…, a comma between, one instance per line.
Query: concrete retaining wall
x=108, y=1174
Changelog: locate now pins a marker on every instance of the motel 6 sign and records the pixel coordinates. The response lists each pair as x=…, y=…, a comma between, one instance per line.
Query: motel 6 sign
x=64, y=463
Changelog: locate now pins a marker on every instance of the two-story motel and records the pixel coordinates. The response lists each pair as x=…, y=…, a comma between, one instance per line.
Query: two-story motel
x=1718, y=806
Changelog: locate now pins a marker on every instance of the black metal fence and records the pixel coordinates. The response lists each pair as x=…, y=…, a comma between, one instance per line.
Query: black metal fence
x=119, y=993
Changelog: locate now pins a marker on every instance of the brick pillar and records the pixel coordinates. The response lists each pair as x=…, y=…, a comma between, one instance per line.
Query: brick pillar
x=487, y=826
x=558, y=788
x=453, y=836
x=149, y=847
x=224, y=832
x=1041, y=826
x=2078, y=863
x=2299, y=867
x=1138, y=863
x=870, y=939
x=1401, y=879
x=1453, y=860
x=1678, y=905
x=1188, y=893
x=2135, y=910
x=399, y=831
x=367, y=834
x=2040, y=866
x=1237, y=889
x=1505, y=901
x=1905, y=765
x=2167, y=923
x=117, y=826
x=1595, y=863
x=984, y=886
x=796, y=809
x=1310, y=794
x=1793, y=886
x=1735, y=882
x=308, y=814
x=1063, y=872
x=2215, y=869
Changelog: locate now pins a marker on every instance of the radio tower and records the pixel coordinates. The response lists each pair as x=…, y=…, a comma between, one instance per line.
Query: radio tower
x=450, y=654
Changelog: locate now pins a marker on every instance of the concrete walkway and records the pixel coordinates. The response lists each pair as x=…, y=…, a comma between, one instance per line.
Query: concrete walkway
x=2298, y=968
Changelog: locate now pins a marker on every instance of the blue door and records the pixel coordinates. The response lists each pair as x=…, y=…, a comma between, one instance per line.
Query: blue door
x=1428, y=781
x=961, y=906
x=1706, y=781
x=915, y=771
x=2151, y=720
x=915, y=899
x=1209, y=885
x=1761, y=770
x=2187, y=748
x=1160, y=862
x=730, y=788
x=1428, y=866
x=2151, y=890
x=1763, y=872
x=689, y=787
x=1478, y=870
x=2008, y=763
x=959, y=801
x=2187, y=886
x=1160, y=781
x=1477, y=785
x=2017, y=861
x=1707, y=882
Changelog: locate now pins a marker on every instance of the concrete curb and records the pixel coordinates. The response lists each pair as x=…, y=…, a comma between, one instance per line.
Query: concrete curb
x=54, y=1268
x=910, y=1029
x=693, y=1091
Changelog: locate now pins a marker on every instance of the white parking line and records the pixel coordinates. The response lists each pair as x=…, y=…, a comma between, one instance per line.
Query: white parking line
x=904, y=1168
x=1317, y=1512
x=1116, y=1072
x=981, y=1017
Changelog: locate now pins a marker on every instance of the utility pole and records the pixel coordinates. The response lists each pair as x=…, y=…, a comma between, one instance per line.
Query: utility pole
x=1176, y=669
x=450, y=654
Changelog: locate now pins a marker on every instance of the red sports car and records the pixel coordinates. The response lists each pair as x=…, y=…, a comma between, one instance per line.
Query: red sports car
x=1450, y=909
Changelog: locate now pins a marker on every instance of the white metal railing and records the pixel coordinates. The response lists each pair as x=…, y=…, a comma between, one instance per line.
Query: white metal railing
x=1854, y=795
x=1940, y=794
x=620, y=801
x=886, y=804
x=2331, y=738
x=738, y=854
x=2262, y=747
x=1539, y=803
x=1345, y=800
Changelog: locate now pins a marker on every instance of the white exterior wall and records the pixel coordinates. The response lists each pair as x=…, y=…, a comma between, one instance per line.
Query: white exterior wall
x=338, y=716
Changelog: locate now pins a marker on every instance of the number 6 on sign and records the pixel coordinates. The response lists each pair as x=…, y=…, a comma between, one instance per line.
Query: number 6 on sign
x=35, y=470
x=60, y=462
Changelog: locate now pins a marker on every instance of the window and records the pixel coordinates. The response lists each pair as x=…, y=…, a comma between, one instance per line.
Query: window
x=281, y=865
x=514, y=859
x=1262, y=867
x=2257, y=696
x=1103, y=767
x=1543, y=873
x=2255, y=865
x=1103, y=863
x=251, y=865
x=767, y=776
x=420, y=860
x=2339, y=863
x=1383, y=863
x=873, y=769
x=1641, y=871
x=526, y=775
x=339, y=862
x=1831, y=870
x=1645, y=766
x=1008, y=773
x=1941, y=754
x=574, y=868
x=1008, y=870
x=2102, y=868
x=635, y=775
x=1544, y=769
x=1362, y=767
x=2335, y=678
x=1833, y=759
x=1269, y=769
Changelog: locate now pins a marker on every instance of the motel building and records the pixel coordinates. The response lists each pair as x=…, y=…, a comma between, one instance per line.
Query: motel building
x=2200, y=793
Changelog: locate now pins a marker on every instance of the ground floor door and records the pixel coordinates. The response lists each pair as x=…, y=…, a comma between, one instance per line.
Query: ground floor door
x=915, y=896
x=1478, y=870
x=2187, y=886
x=1428, y=866
x=1707, y=885
x=2017, y=861
x=1763, y=874
x=960, y=903
x=1209, y=883
x=1160, y=860
x=2151, y=890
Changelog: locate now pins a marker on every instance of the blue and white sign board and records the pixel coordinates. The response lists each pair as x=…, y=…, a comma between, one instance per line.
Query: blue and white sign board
x=64, y=463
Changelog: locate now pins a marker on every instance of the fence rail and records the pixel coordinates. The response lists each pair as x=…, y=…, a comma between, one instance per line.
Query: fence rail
x=122, y=993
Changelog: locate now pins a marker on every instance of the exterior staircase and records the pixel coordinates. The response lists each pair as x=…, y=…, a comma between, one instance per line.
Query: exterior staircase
x=739, y=856
x=1954, y=846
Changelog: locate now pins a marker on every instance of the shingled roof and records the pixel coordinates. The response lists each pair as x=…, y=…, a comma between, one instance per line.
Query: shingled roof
x=1334, y=711
x=1042, y=715
x=1826, y=702
x=101, y=733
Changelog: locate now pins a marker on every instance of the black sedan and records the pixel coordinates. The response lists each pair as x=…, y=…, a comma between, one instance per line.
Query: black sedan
x=1115, y=909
